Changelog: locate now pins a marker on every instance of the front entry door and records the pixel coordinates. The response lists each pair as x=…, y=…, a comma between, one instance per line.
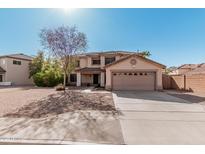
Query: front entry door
x=95, y=78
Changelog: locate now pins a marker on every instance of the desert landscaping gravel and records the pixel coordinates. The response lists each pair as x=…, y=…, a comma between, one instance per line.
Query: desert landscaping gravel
x=12, y=99
x=74, y=116
x=66, y=101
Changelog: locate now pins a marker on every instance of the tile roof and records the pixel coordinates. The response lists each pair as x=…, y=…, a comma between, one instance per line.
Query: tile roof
x=18, y=56
x=89, y=69
x=199, y=70
x=135, y=54
x=107, y=52
x=191, y=66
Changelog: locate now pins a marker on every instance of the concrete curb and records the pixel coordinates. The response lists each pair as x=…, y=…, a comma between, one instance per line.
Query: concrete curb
x=43, y=142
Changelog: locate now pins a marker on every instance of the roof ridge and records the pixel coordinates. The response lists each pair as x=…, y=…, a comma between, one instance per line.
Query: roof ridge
x=109, y=51
x=134, y=54
x=18, y=55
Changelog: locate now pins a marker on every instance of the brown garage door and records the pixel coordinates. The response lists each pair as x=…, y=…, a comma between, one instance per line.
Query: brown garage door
x=133, y=81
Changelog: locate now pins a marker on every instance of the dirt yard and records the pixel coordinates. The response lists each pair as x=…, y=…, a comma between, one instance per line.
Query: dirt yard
x=12, y=99
x=44, y=102
x=44, y=116
x=68, y=101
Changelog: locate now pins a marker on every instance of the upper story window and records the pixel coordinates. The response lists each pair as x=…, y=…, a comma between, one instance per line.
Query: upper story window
x=78, y=63
x=16, y=62
x=109, y=60
x=95, y=61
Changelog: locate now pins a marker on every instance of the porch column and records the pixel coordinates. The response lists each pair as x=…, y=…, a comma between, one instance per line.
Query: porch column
x=78, y=79
x=102, y=61
x=102, y=79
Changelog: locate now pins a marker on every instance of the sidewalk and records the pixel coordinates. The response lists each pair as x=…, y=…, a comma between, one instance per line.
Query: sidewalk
x=80, y=127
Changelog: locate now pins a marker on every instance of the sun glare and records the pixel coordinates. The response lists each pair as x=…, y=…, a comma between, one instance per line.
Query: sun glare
x=67, y=10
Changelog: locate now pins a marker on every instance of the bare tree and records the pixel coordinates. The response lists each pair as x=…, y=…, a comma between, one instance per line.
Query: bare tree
x=64, y=43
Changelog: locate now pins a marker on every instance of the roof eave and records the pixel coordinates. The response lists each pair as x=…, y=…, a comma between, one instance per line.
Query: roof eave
x=120, y=60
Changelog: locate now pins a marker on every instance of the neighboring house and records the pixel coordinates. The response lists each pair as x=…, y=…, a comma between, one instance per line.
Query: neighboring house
x=183, y=69
x=14, y=69
x=199, y=70
x=117, y=70
x=189, y=69
x=173, y=72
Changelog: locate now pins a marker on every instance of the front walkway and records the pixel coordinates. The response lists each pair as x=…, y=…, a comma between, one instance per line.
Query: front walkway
x=159, y=118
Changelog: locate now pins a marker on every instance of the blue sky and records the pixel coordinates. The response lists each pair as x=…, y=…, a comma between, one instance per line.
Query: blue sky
x=173, y=36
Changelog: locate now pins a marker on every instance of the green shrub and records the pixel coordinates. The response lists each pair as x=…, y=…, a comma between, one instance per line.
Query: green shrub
x=49, y=78
x=38, y=79
x=46, y=73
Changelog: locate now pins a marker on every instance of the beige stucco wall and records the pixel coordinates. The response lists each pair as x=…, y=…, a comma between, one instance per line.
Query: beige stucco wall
x=83, y=62
x=183, y=70
x=87, y=61
x=3, y=65
x=17, y=74
x=141, y=65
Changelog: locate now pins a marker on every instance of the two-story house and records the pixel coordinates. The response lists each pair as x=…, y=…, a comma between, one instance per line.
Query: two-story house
x=14, y=69
x=117, y=70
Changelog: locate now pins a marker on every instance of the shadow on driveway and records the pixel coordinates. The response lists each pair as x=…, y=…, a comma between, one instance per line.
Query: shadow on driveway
x=149, y=95
x=189, y=97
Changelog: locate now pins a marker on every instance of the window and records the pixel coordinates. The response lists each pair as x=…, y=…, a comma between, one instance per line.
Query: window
x=96, y=62
x=78, y=63
x=109, y=60
x=73, y=78
x=16, y=62
x=1, y=78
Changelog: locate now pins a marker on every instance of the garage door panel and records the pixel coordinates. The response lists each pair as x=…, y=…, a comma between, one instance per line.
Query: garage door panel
x=134, y=81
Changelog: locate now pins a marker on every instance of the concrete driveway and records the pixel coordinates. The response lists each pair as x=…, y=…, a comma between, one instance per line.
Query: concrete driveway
x=159, y=118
